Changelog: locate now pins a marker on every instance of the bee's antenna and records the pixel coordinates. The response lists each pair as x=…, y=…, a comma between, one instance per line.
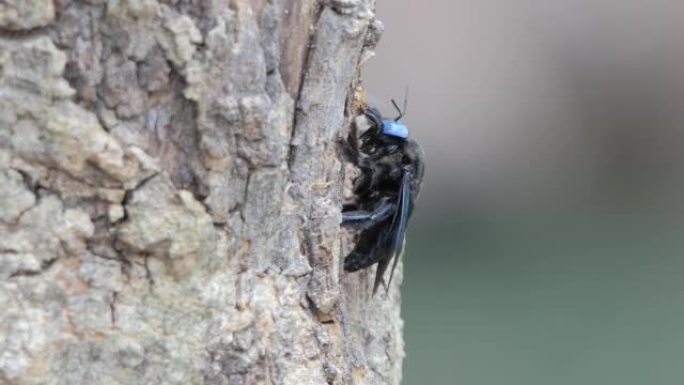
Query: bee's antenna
x=405, y=100
x=403, y=111
x=398, y=110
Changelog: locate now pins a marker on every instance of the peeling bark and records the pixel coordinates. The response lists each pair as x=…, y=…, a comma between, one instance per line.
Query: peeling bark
x=170, y=195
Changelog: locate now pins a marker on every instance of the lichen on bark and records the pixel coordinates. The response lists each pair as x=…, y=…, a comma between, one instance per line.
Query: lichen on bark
x=170, y=195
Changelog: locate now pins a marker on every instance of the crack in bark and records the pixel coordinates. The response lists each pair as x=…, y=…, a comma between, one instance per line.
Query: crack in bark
x=112, y=308
x=24, y=34
x=28, y=182
x=44, y=266
x=240, y=206
x=125, y=263
x=148, y=272
x=292, y=151
x=30, y=187
x=128, y=194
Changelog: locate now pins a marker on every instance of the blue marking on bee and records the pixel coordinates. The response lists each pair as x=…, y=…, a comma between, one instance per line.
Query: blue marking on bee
x=395, y=128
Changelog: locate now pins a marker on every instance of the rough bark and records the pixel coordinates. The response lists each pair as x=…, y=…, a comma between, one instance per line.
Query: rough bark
x=170, y=195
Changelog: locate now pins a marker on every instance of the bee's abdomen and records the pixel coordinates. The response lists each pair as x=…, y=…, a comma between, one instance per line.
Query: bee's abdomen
x=357, y=261
x=368, y=250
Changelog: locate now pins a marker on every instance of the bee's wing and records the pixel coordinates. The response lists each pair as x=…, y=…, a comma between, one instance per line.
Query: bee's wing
x=403, y=211
x=395, y=235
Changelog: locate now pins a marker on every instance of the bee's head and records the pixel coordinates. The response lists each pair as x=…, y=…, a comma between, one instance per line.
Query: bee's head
x=393, y=128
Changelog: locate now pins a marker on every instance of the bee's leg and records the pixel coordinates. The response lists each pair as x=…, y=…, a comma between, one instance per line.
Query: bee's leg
x=350, y=147
x=383, y=151
x=350, y=153
x=361, y=219
x=362, y=183
x=349, y=207
x=367, y=249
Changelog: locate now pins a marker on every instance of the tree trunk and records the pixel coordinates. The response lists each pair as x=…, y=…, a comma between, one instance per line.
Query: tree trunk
x=170, y=195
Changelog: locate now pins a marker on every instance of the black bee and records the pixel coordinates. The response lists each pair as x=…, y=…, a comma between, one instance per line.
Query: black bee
x=392, y=169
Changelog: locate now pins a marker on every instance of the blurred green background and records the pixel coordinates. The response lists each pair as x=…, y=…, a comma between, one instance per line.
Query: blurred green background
x=547, y=244
x=543, y=301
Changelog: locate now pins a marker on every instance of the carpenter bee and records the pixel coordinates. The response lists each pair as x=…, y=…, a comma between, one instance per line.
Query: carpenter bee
x=392, y=167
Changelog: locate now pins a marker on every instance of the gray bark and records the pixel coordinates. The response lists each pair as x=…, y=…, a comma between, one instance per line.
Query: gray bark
x=170, y=195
